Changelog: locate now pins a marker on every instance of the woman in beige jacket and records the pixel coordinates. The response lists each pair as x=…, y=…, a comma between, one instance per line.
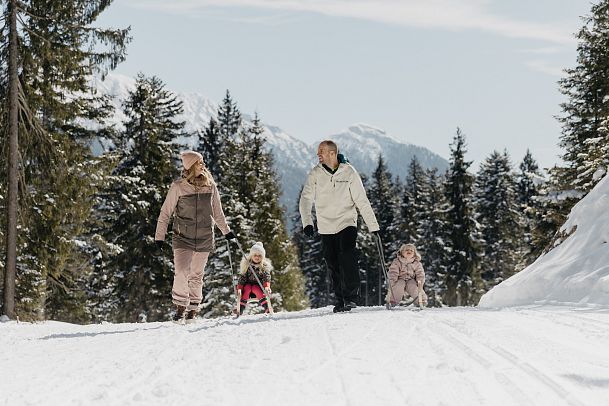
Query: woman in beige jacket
x=195, y=203
x=406, y=274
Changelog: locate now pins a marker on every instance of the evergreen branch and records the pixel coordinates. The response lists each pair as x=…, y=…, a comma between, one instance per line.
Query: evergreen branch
x=34, y=33
x=83, y=26
x=29, y=120
x=21, y=8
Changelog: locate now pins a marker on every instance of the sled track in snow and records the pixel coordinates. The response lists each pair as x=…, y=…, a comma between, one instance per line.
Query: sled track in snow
x=574, y=316
x=548, y=382
x=513, y=389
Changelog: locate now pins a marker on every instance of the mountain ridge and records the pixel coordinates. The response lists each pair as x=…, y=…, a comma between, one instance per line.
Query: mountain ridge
x=361, y=143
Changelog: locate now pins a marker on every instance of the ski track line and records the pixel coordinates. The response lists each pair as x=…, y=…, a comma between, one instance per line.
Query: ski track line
x=336, y=354
x=274, y=398
x=535, y=373
x=108, y=390
x=63, y=355
x=584, y=326
x=388, y=361
x=334, y=361
x=394, y=315
x=447, y=399
x=576, y=313
x=393, y=318
x=144, y=379
x=567, y=321
x=515, y=393
x=573, y=316
x=596, y=359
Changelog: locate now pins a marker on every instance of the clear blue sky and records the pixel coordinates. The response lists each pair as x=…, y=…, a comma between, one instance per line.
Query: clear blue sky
x=416, y=68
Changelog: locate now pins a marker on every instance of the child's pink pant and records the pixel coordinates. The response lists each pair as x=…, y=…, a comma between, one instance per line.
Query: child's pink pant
x=255, y=290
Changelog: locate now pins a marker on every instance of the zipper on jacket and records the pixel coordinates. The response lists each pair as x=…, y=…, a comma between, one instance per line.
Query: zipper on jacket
x=196, y=218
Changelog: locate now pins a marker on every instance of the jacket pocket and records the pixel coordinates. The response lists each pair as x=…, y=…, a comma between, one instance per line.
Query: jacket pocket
x=185, y=227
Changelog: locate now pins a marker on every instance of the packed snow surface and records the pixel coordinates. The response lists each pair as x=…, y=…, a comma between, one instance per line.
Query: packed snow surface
x=534, y=355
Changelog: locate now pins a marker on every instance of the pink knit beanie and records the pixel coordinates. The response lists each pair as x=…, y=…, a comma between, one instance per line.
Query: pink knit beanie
x=189, y=158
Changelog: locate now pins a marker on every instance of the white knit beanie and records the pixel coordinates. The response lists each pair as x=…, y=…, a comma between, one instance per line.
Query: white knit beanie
x=258, y=248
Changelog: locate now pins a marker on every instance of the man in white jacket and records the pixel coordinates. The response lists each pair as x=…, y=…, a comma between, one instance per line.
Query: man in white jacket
x=337, y=191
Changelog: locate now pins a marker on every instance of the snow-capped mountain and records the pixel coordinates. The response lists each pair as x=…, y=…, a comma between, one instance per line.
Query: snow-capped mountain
x=361, y=143
x=575, y=270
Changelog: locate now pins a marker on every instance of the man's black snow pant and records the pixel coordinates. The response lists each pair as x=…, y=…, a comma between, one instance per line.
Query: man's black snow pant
x=341, y=257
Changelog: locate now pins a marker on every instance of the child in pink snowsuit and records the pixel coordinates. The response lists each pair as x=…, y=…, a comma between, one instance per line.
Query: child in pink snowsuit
x=247, y=284
x=406, y=275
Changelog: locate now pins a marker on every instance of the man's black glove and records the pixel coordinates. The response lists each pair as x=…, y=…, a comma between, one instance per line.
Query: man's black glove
x=230, y=235
x=308, y=230
x=159, y=244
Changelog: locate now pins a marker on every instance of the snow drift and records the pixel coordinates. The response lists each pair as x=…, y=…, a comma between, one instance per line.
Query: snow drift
x=576, y=271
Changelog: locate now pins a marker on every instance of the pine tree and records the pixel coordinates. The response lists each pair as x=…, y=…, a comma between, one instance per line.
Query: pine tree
x=373, y=291
x=252, y=190
x=434, y=236
x=318, y=286
x=412, y=203
x=210, y=145
x=585, y=134
x=269, y=221
x=529, y=183
x=217, y=144
x=229, y=117
x=585, y=137
x=140, y=275
x=549, y=213
x=218, y=296
x=498, y=214
x=56, y=57
x=462, y=278
x=383, y=198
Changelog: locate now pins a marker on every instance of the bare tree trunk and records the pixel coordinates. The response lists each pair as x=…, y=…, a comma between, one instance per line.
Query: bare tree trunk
x=13, y=156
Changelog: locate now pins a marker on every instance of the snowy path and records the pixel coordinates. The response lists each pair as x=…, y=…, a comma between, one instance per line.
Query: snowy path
x=455, y=356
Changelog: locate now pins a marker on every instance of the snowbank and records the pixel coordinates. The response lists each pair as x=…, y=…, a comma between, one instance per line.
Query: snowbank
x=576, y=271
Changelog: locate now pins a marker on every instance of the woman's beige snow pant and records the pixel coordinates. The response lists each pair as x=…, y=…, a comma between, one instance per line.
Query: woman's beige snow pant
x=188, y=279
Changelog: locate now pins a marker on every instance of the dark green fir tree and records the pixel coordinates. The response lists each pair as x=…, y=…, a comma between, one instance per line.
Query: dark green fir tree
x=140, y=275
x=384, y=199
x=462, y=274
x=50, y=51
x=434, y=236
x=497, y=212
x=530, y=180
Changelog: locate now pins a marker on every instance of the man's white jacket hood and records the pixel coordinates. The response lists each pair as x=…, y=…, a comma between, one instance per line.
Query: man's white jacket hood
x=336, y=197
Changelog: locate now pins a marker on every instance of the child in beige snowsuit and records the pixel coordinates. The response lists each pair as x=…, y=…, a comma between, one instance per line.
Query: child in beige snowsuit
x=406, y=274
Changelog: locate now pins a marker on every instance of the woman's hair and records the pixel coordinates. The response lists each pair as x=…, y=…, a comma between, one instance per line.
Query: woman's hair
x=189, y=175
x=413, y=248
